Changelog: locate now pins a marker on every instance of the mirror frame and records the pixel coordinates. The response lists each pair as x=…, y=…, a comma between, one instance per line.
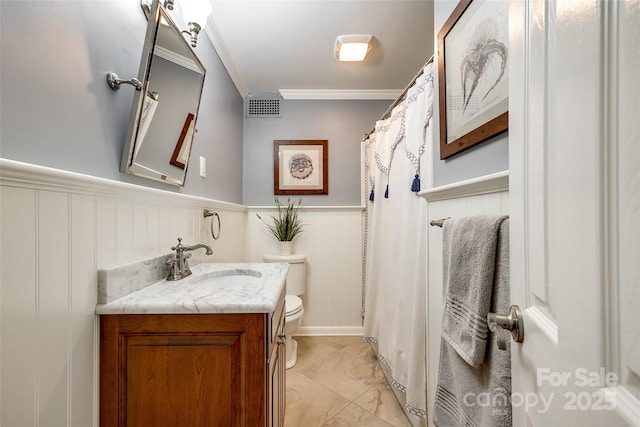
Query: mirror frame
x=156, y=13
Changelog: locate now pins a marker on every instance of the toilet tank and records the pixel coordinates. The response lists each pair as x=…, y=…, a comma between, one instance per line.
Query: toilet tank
x=296, y=278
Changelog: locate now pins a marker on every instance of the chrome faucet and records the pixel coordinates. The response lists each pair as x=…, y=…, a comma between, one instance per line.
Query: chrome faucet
x=179, y=266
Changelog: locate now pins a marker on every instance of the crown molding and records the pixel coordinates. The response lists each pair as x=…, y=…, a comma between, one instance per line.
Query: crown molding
x=337, y=94
x=225, y=57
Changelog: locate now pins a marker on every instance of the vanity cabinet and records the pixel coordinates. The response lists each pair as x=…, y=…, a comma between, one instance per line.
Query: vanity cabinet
x=193, y=369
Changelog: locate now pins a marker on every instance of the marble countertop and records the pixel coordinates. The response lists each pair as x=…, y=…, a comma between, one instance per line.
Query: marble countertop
x=212, y=288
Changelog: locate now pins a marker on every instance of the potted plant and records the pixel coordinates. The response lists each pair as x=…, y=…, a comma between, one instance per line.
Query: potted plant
x=286, y=225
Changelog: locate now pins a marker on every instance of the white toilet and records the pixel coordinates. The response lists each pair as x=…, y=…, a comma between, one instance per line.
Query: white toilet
x=296, y=284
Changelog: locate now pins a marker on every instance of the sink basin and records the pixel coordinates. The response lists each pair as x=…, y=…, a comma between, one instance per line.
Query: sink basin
x=225, y=278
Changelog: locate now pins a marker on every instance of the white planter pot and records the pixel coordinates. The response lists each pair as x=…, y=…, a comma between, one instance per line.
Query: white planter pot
x=285, y=248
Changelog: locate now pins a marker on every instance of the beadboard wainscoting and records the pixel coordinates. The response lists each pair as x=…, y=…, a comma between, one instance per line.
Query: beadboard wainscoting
x=58, y=228
x=484, y=195
x=332, y=242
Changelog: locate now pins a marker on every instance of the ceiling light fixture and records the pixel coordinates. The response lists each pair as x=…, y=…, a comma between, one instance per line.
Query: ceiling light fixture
x=353, y=47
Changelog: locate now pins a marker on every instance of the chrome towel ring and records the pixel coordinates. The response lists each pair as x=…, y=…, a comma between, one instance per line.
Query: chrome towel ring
x=212, y=214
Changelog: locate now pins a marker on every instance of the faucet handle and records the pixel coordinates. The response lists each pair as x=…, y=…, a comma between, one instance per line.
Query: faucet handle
x=179, y=265
x=178, y=246
x=174, y=270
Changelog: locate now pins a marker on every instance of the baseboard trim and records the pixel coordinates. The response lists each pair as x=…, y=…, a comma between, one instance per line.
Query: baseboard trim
x=310, y=331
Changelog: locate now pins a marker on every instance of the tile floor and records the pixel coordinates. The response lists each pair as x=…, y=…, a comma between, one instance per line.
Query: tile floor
x=338, y=382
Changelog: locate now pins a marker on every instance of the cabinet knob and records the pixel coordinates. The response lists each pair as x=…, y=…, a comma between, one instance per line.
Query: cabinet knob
x=282, y=338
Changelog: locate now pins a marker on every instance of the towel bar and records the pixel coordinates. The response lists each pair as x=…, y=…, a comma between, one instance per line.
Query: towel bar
x=439, y=222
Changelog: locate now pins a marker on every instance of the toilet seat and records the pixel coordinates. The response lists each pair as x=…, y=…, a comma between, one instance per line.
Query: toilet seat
x=292, y=305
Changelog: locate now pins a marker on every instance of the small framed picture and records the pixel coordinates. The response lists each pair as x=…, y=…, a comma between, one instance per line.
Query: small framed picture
x=183, y=147
x=300, y=167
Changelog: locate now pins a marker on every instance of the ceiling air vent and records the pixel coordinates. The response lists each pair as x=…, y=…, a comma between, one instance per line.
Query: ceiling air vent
x=263, y=105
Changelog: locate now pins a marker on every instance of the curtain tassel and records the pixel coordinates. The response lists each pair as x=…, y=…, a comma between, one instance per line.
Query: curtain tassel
x=371, y=196
x=386, y=192
x=415, y=185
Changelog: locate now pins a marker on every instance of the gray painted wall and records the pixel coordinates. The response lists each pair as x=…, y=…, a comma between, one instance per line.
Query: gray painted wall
x=485, y=158
x=342, y=123
x=57, y=110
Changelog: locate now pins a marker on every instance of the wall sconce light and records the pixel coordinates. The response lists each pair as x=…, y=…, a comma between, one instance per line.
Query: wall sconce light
x=195, y=14
x=146, y=6
x=353, y=47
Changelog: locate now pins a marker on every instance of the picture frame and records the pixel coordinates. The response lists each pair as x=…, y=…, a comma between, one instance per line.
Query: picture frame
x=300, y=167
x=474, y=106
x=183, y=147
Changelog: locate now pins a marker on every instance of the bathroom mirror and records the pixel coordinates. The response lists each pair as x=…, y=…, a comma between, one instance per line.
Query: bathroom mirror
x=165, y=111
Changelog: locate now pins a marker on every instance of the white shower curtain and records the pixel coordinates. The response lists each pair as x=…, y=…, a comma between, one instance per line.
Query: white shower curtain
x=396, y=272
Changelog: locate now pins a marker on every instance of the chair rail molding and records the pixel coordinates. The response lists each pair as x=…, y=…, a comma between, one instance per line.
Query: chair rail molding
x=492, y=183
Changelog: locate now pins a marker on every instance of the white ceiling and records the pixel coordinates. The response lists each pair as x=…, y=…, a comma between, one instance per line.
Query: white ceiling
x=288, y=46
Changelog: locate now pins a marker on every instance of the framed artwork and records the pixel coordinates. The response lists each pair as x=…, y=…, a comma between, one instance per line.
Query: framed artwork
x=473, y=74
x=183, y=147
x=300, y=167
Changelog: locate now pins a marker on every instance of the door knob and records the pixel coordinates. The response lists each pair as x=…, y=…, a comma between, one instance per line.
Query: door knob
x=501, y=325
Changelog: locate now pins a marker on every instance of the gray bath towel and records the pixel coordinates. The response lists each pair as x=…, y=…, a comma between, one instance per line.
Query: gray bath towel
x=469, y=246
x=468, y=395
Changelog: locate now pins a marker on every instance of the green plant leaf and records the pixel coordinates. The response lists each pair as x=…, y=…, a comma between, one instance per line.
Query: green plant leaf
x=286, y=224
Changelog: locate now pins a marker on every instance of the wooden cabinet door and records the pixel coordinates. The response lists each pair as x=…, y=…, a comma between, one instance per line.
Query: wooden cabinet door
x=173, y=378
x=177, y=370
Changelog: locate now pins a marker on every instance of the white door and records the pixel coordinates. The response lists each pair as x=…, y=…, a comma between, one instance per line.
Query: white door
x=574, y=136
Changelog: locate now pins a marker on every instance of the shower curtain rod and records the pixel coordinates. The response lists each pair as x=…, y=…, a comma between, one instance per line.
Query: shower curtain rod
x=399, y=98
